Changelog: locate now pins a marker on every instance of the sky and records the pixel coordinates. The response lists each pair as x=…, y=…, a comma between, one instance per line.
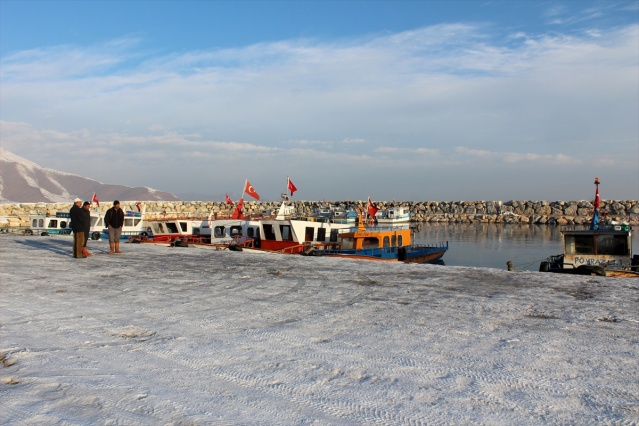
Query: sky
x=235, y=338
x=404, y=100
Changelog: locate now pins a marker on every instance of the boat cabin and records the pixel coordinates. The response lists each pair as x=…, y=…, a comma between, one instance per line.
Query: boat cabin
x=609, y=247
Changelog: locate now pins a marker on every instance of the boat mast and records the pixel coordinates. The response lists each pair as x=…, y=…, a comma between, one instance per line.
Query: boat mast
x=594, y=225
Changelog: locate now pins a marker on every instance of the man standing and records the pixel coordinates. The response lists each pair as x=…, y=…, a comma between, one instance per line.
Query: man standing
x=77, y=226
x=114, y=219
x=86, y=212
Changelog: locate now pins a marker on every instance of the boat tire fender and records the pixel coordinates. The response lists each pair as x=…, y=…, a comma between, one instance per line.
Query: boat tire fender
x=401, y=254
x=591, y=270
x=29, y=232
x=544, y=266
x=95, y=235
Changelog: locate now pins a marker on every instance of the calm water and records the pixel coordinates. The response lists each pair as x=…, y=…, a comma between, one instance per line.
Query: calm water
x=492, y=245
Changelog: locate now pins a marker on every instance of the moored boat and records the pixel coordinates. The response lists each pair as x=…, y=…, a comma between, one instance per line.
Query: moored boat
x=386, y=244
x=393, y=215
x=604, y=249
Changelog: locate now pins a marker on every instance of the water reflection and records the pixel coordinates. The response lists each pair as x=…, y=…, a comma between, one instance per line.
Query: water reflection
x=492, y=245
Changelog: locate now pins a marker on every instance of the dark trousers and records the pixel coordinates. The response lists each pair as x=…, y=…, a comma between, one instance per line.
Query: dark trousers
x=78, y=243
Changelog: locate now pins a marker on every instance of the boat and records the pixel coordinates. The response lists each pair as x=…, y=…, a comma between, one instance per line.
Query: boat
x=335, y=214
x=60, y=224
x=603, y=249
x=44, y=224
x=188, y=232
x=134, y=226
x=393, y=215
x=386, y=244
x=290, y=233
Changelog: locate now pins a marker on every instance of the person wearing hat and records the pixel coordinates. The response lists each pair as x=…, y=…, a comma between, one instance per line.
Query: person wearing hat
x=114, y=219
x=86, y=212
x=76, y=216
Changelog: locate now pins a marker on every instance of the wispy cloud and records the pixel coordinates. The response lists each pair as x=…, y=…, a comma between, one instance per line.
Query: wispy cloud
x=446, y=94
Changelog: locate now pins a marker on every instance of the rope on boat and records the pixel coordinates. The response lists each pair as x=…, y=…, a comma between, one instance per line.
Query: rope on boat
x=530, y=263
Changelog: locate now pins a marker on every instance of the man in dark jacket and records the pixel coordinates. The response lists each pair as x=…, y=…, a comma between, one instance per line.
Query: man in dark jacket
x=76, y=216
x=86, y=214
x=114, y=219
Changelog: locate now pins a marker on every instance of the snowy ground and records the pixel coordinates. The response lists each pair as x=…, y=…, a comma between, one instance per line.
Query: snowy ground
x=163, y=335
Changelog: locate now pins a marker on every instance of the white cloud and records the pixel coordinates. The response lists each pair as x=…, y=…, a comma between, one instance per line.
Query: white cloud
x=369, y=104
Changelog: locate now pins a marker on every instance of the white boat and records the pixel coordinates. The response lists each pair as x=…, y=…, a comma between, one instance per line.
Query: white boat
x=292, y=234
x=210, y=231
x=393, y=215
x=44, y=224
x=60, y=224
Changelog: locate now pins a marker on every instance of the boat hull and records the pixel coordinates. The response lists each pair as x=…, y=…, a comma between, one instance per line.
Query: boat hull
x=407, y=254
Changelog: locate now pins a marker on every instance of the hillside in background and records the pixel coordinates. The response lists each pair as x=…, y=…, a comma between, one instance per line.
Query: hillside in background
x=23, y=181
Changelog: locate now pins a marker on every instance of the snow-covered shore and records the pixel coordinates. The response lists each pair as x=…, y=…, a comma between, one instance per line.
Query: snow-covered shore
x=163, y=335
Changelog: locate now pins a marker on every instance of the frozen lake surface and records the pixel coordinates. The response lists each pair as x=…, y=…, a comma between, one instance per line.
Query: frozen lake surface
x=163, y=335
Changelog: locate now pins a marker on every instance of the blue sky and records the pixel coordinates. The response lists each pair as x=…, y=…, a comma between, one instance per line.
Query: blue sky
x=405, y=100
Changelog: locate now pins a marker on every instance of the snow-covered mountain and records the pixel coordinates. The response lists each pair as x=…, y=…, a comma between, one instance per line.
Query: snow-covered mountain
x=23, y=181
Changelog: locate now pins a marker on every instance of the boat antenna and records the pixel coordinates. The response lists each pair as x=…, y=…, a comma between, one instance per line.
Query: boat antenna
x=595, y=217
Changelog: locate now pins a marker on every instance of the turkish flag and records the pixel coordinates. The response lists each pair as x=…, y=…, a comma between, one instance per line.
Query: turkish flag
x=291, y=187
x=239, y=210
x=228, y=200
x=95, y=200
x=372, y=208
x=248, y=188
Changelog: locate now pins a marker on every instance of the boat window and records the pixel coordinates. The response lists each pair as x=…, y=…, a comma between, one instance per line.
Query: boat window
x=35, y=223
x=128, y=222
x=196, y=230
x=582, y=244
x=321, y=234
x=387, y=241
x=136, y=221
x=250, y=232
x=348, y=243
x=93, y=221
x=287, y=235
x=269, y=233
x=218, y=231
x=184, y=226
x=171, y=228
x=236, y=231
x=63, y=224
x=53, y=223
x=400, y=241
x=334, y=233
x=370, y=242
x=394, y=240
x=614, y=245
x=310, y=232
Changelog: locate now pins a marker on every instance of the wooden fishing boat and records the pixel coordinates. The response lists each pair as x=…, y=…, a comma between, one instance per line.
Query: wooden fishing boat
x=604, y=249
x=385, y=244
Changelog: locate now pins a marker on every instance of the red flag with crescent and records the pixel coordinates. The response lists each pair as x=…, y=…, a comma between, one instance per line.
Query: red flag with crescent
x=239, y=210
x=248, y=188
x=95, y=200
x=291, y=187
x=228, y=199
x=372, y=208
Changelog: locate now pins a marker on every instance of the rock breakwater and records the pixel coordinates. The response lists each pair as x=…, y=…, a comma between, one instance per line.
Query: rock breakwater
x=508, y=212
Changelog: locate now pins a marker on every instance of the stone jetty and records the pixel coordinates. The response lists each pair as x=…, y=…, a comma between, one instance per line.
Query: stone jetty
x=507, y=212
